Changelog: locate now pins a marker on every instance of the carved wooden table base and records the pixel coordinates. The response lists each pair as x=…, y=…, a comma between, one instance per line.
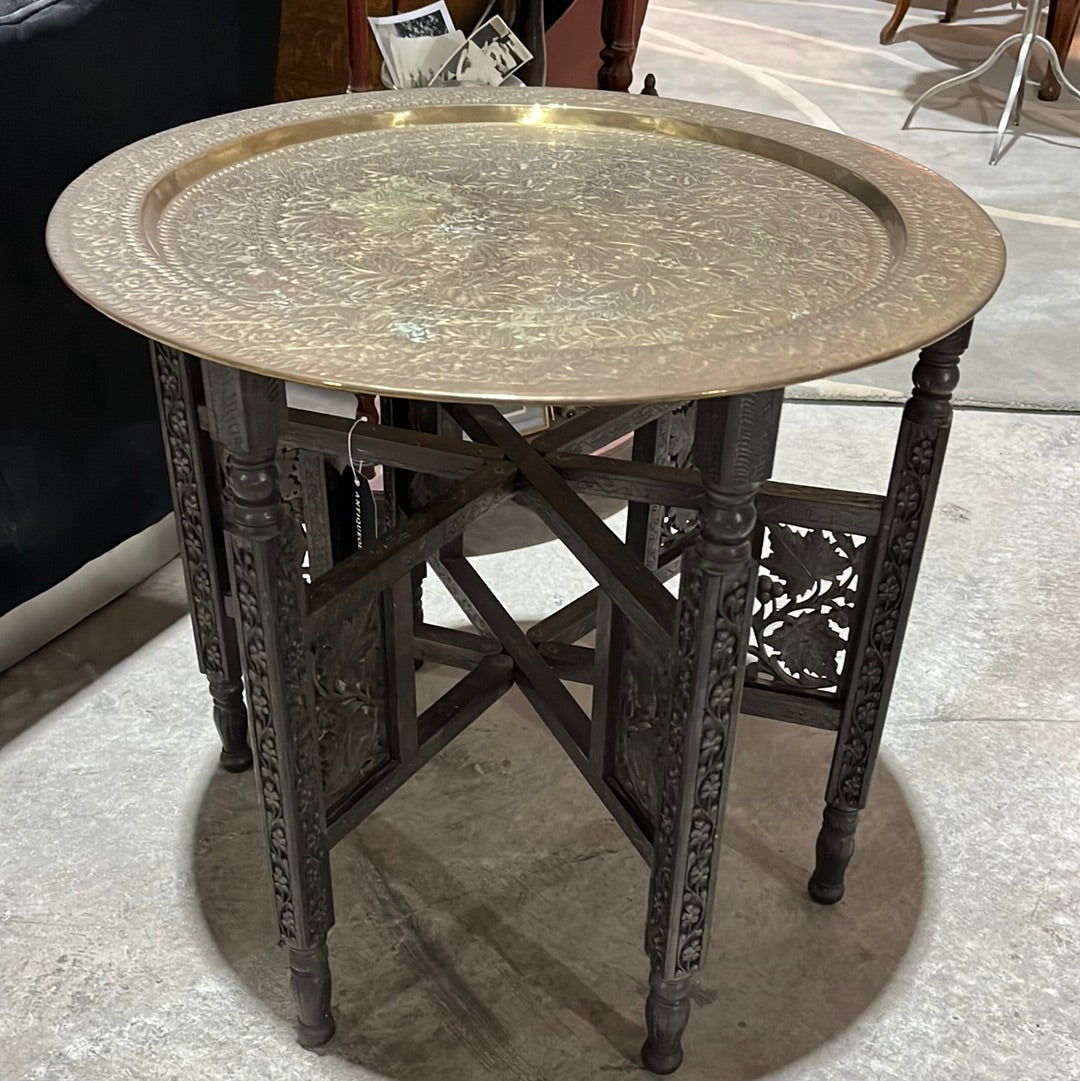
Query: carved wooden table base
x=792, y=604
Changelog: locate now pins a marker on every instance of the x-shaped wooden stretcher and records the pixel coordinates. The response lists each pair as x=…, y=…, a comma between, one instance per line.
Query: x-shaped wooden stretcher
x=549, y=474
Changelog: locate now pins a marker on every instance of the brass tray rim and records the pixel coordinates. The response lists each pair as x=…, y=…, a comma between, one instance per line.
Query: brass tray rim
x=154, y=164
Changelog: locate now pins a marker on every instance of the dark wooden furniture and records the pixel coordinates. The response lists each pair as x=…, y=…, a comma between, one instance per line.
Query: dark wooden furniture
x=587, y=43
x=707, y=458
x=888, y=31
x=1060, y=29
x=80, y=468
x=667, y=298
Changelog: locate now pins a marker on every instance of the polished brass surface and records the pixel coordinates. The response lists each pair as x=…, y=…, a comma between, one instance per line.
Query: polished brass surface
x=547, y=246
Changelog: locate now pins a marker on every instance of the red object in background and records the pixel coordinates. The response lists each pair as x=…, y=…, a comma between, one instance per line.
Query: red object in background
x=359, y=58
x=574, y=42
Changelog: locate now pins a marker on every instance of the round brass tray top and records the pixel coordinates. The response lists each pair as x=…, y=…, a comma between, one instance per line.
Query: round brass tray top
x=549, y=246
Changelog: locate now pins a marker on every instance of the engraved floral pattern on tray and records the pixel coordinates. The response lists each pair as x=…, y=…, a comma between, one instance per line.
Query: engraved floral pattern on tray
x=511, y=239
x=945, y=258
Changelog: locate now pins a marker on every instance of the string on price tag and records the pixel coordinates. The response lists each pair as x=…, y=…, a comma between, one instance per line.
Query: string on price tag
x=357, y=467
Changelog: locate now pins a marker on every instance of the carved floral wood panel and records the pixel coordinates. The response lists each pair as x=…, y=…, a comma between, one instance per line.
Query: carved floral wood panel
x=638, y=744
x=807, y=602
x=349, y=668
x=806, y=605
x=351, y=701
x=674, y=444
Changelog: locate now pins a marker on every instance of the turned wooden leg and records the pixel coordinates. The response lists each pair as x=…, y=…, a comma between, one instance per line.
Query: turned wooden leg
x=950, y=11
x=667, y=1011
x=617, y=27
x=193, y=478
x=247, y=416
x=888, y=31
x=832, y=853
x=230, y=719
x=733, y=447
x=1060, y=29
x=311, y=984
x=905, y=522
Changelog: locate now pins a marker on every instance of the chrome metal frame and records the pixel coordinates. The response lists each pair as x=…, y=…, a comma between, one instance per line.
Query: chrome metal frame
x=1028, y=38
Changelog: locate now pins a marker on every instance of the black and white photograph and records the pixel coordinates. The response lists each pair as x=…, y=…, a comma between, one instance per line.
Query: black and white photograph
x=492, y=53
x=415, y=44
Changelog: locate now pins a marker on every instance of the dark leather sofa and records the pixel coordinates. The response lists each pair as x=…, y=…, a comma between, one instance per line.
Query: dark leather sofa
x=81, y=461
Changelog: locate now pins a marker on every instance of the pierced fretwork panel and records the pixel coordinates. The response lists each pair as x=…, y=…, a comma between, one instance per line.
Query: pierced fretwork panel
x=292, y=495
x=674, y=445
x=807, y=603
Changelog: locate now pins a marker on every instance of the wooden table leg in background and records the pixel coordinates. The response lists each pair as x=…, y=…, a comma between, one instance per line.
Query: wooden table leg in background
x=1060, y=29
x=618, y=21
x=360, y=74
x=196, y=502
x=888, y=31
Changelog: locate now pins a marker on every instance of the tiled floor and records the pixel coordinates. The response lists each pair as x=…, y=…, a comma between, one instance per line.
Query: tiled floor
x=489, y=917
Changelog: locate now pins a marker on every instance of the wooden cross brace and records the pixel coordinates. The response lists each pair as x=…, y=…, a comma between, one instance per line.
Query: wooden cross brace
x=496, y=465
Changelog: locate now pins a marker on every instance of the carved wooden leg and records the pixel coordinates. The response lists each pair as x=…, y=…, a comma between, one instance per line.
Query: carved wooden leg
x=247, y=414
x=192, y=474
x=1060, y=29
x=888, y=31
x=617, y=27
x=733, y=447
x=905, y=521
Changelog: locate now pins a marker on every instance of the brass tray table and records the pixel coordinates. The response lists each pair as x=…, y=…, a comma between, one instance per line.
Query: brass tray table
x=668, y=268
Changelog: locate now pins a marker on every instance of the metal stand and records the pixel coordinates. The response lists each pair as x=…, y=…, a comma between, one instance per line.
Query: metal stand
x=1028, y=37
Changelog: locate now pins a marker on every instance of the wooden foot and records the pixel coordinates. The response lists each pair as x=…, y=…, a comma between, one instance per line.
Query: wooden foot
x=311, y=985
x=1049, y=88
x=835, y=847
x=230, y=718
x=888, y=31
x=667, y=1011
x=1060, y=28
